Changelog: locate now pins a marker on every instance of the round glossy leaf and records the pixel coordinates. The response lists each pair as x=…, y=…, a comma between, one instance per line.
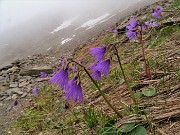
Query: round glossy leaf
x=137, y=95
x=151, y=91
x=126, y=127
x=108, y=131
x=140, y=130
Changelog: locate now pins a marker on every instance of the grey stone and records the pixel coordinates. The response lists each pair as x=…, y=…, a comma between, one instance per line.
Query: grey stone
x=41, y=79
x=16, y=62
x=5, y=86
x=23, y=84
x=2, y=94
x=14, y=96
x=13, y=77
x=9, y=108
x=1, y=78
x=28, y=88
x=2, y=98
x=7, y=79
x=13, y=85
x=14, y=91
x=28, y=78
x=7, y=67
x=22, y=80
x=7, y=99
x=36, y=71
x=12, y=70
x=24, y=95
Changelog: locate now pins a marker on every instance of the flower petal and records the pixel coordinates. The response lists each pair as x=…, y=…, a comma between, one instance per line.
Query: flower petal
x=98, y=52
x=75, y=93
x=60, y=78
x=103, y=66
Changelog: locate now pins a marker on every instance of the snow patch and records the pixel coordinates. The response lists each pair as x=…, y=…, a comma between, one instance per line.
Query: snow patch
x=92, y=22
x=48, y=49
x=66, y=40
x=65, y=24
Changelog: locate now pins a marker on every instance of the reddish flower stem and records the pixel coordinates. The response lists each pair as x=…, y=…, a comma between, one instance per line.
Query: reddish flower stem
x=146, y=65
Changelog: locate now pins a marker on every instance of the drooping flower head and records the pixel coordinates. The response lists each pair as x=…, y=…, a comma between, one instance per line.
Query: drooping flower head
x=116, y=31
x=93, y=65
x=79, y=62
x=43, y=74
x=73, y=80
x=98, y=52
x=75, y=91
x=60, y=78
x=35, y=90
x=96, y=75
x=15, y=103
x=157, y=12
x=103, y=67
x=131, y=35
x=155, y=24
x=132, y=24
x=148, y=24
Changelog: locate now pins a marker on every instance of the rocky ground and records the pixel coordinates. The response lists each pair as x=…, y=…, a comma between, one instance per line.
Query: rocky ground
x=18, y=78
x=17, y=81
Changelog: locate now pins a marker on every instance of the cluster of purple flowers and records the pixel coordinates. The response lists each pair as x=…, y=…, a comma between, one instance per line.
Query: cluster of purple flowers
x=71, y=88
x=157, y=12
x=100, y=67
x=133, y=25
x=131, y=32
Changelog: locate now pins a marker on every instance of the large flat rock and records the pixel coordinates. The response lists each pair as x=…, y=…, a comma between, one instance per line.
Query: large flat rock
x=36, y=71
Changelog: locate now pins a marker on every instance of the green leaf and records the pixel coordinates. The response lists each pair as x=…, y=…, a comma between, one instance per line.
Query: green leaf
x=108, y=131
x=134, y=85
x=137, y=95
x=127, y=127
x=151, y=91
x=140, y=130
x=61, y=108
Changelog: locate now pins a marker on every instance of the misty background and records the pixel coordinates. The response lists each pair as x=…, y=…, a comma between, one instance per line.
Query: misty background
x=41, y=26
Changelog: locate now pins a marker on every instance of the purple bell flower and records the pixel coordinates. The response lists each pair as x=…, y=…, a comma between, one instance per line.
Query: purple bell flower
x=35, y=90
x=103, y=67
x=148, y=24
x=43, y=74
x=15, y=103
x=157, y=12
x=96, y=75
x=155, y=24
x=133, y=22
x=75, y=92
x=70, y=83
x=60, y=78
x=93, y=65
x=116, y=31
x=98, y=52
x=131, y=35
